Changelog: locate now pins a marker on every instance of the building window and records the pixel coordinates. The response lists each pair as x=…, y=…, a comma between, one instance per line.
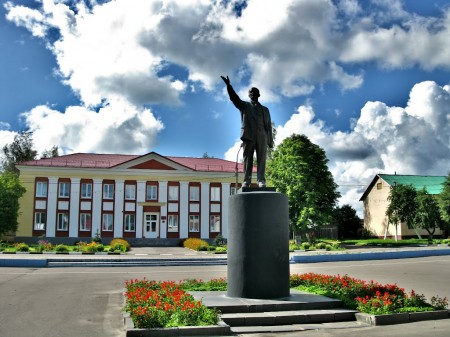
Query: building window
x=379, y=186
x=41, y=189
x=129, y=222
x=108, y=191
x=107, y=222
x=86, y=190
x=64, y=189
x=214, y=223
x=172, y=225
x=152, y=192
x=234, y=190
x=63, y=221
x=194, y=223
x=194, y=193
x=40, y=219
x=130, y=192
x=173, y=193
x=215, y=193
x=85, y=222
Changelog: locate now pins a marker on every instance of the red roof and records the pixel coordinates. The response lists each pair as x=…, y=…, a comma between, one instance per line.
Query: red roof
x=93, y=160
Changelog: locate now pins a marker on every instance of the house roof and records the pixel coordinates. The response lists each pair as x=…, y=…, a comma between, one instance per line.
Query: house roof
x=433, y=184
x=107, y=161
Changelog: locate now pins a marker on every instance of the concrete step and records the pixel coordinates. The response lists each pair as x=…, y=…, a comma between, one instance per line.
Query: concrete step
x=296, y=327
x=288, y=317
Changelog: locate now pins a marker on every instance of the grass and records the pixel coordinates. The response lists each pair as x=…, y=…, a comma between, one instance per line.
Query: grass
x=386, y=243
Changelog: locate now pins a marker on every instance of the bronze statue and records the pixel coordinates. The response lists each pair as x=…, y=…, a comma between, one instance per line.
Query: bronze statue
x=256, y=132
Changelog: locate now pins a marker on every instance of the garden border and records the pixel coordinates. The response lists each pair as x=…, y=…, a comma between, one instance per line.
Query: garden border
x=400, y=318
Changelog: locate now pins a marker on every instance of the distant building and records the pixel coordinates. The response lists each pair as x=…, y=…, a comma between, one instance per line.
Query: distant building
x=376, y=203
x=151, y=197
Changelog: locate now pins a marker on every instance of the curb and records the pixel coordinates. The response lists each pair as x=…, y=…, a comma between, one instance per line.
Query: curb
x=27, y=263
x=220, y=329
x=400, y=318
x=363, y=256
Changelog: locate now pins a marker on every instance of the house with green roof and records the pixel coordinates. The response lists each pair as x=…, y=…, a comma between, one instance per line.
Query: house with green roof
x=375, y=200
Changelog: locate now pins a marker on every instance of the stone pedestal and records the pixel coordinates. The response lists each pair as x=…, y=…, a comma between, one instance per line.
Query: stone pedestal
x=258, y=245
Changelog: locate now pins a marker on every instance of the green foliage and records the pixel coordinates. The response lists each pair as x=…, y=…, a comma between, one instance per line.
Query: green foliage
x=21, y=149
x=348, y=223
x=219, y=240
x=402, y=204
x=61, y=248
x=100, y=248
x=221, y=249
x=10, y=192
x=299, y=169
x=219, y=284
x=427, y=215
x=119, y=244
x=387, y=242
x=196, y=244
x=444, y=201
x=22, y=247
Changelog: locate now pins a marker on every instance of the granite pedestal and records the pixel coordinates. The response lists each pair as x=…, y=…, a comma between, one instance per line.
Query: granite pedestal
x=258, y=245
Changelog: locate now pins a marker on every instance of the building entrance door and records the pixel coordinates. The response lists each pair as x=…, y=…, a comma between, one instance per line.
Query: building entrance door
x=151, y=225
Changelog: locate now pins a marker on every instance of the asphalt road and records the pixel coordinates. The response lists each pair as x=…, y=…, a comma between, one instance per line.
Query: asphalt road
x=76, y=302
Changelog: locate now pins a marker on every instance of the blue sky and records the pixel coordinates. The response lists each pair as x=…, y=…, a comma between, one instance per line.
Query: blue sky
x=368, y=81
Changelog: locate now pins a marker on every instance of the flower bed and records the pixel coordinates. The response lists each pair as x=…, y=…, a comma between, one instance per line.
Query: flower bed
x=367, y=297
x=154, y=304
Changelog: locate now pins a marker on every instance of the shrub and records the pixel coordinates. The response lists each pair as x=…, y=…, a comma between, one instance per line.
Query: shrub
x=306, y=245
x=321, y=245
x=100, y=247
x=195, y=244
x=212, y=248
x=44, y=245
x=22, y=247
x=61, y=248
x=91, y=247
x=219, y=240
x=120, y=244
x=97, y=237
x=328, y=247
x=221, y=249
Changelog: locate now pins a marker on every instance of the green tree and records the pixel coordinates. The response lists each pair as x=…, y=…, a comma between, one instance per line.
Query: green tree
x=402, y=206
x=299, y=169
x=427, y=214
x=10, y=192
x=348, y=223
x=21, y=149
x=444, y=201
x=52, y=153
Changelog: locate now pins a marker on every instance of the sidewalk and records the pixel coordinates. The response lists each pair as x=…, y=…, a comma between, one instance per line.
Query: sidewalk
x=159, y=256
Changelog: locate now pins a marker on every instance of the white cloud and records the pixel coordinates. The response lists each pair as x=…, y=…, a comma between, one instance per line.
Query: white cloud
x=410, y=140
x=117, y=128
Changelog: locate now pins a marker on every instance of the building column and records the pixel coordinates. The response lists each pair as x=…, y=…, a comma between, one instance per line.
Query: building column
x=118, y=208
x=140, y=197
x=51, y=206
x=162, y=190
x=96, y=204
x=226, y=190
x=205, y=205
x=75, y=207
x=184, y=209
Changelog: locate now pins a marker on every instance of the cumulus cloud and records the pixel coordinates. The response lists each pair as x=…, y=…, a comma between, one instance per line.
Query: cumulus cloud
x=408, y=140
x=116, y=128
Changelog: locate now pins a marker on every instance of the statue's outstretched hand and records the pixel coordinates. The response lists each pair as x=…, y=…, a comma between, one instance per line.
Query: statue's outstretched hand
x=226, y=80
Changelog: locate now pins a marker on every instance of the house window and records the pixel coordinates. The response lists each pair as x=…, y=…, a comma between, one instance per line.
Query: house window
x=108, y=191
x=64, y=189
x=86, y=190
x=173, y=193
x=215, y=193
x=85, y=222
x=194, y=223
x=107, y=222
x=172, y=223
x=63, y=221
x=40, y=219
x=152, y=192
x=194, y=193
x=129, y=222
x=214, y=223
x=41, y=189
x=379, y=186
x=130, y=192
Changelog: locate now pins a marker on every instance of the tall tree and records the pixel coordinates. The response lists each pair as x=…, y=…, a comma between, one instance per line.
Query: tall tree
x=427, y=214
x=10, y=192
x=444, y=201
x=21, y=149
x=348, y=223
x=52, y=153
x=299, y=169
x=402, y=206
